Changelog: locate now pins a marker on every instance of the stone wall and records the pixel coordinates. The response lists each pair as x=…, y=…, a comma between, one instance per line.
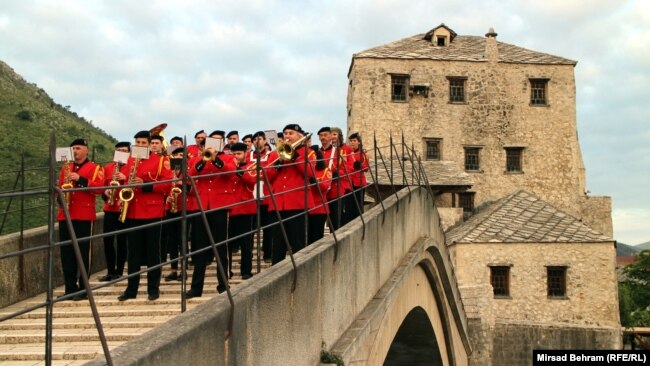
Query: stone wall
x=25, y=276
x=597, y=214
x=592, y=294
x=497, y=114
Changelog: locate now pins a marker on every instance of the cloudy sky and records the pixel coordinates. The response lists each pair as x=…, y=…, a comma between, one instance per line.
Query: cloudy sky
x=250, y=65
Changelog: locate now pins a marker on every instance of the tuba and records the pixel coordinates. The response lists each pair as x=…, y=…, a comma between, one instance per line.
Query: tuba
x=67, y=180
x=159, y=130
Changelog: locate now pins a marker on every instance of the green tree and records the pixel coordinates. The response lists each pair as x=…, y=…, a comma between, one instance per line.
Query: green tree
x=634, y=293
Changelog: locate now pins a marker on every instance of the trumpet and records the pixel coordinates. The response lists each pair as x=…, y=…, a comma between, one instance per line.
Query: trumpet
x=208, y=155
x=175, y=192
x=127, y=194
x=285, y=152
x=67, y=181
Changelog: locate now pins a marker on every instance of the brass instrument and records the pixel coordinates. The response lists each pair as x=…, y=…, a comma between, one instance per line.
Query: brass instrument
x=67, y=180
x=114, y=183
x=176, y=191
x=127, y=194
x=208, y=155
x=285, y=152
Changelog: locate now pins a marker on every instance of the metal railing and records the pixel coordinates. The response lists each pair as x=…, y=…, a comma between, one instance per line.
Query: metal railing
x=385, y=164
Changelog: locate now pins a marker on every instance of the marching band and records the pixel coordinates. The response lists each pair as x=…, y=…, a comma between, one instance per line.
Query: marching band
x=280, y=184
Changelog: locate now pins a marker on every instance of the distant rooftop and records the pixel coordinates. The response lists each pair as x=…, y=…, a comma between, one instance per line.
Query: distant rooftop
x=439, y=173
x=459, y=48
x=522, y=217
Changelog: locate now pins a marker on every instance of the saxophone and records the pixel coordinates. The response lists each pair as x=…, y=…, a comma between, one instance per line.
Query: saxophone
x=176, y=191
x=114, y=183
x=127, y=194
x=67, y=181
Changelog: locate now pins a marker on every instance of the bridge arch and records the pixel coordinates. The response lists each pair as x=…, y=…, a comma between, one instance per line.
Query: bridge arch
x=415, y=342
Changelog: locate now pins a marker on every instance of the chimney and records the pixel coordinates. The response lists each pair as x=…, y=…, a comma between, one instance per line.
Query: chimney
x=491, y=49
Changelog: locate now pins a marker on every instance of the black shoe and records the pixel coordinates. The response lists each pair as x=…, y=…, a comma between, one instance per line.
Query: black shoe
x=171, y=277
x=125, y=296
x=80, y=297
x=246, y=276
x=267, y=260
x=221, y=288
x=108, y=277
x=153, y=297
x=191, y=294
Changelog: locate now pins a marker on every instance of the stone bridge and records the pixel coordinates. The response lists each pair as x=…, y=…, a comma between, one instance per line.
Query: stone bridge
x=384, y=294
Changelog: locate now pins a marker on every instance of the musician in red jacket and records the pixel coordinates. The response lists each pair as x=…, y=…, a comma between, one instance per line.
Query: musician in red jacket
x=261, y=150
x=212, y=178
x=319, y=186
x=357, y=175
x=242, y=213
x=196, y=149
x=146, y=207
x=290, y=192
x=80, y=173
x=115, y=259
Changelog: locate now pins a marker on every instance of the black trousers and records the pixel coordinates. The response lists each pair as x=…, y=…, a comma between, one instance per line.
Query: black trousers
x=336, y=212
x=350, y=210
x=218, y=225
x=71, y=273
x=267, y=218
x=143, y=249
x=171, y=239
x=115, y=259
x=295, y=230
x=316, y=226
x=238, y=225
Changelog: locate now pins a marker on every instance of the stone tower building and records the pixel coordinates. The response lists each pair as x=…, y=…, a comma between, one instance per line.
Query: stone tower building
x=504, y=115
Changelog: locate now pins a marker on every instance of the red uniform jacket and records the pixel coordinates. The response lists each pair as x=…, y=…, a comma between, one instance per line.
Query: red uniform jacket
x=242, y=190
x=212, y=182
x=342, y=165
x=358, y=176
x=82, y=204
x=288, y=181
x=109, y=170
x=149, y=201
x=193, y=151
x=250, y=175
x=324, y=179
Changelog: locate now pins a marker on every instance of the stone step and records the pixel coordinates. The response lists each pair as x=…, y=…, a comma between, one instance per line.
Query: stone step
x=110, y=301
x=60, y=351
x=68, y=335
x=115, y=311
x=64, y=323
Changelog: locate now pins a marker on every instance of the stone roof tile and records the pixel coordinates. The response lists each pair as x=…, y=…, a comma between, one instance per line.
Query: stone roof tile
x=522, y=217
x=461, y=48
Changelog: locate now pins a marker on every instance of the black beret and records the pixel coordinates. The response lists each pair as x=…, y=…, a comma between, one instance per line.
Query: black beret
x=218, y=133
x=324, y=129
x=143, y=134
x=176, y=138
x=238, y=146
x=198, y=133
x=259, y=134
x=295, y=127
x=158, y=137
x=81, y=142
x=123, y=144
x=280, y=134
x=232, y=133
x=177, y=150
x=249, y=136
x=356, y=136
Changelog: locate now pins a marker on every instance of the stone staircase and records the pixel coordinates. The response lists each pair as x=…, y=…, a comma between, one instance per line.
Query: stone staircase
x=75, y=338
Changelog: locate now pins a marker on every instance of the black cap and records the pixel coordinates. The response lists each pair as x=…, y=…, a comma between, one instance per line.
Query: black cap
x=259, y=134
x=324, y=129
x=123, y=144
x=232, y=133
x=238, y=146
x=143, y=134
x=199, y=132
x=294, y=126
x=280, y=134
x=81, y=142
x=218, y=133
x=177, y=150
x=158, y=137
x=176, y=138
x=356, y=136
x=249, y=136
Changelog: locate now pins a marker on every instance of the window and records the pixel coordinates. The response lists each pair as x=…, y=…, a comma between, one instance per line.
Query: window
x=500, y=280
x=538, y=91
x=471, y=158
x=556, y=280
x=399, y=87
x=466, y=201
x=513, y=159
x=441, y=40
x=432, y=149
x=456, y=89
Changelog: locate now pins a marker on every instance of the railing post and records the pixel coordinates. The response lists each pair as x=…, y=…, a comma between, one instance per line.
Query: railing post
x=21, y=239
x=50, y=253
